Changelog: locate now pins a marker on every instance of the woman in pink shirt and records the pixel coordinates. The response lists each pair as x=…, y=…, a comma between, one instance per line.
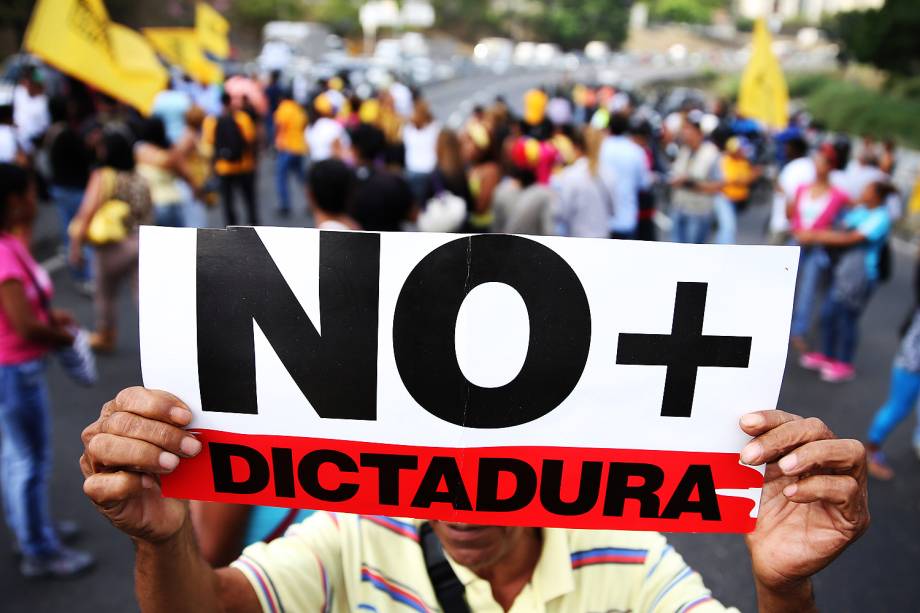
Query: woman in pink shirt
x=29, y=329
x=815, y=207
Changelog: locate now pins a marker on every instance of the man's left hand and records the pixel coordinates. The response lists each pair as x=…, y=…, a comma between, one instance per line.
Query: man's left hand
x=814, y=501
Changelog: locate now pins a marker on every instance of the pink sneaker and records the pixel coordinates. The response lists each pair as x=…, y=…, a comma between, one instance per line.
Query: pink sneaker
x=815, y=361
x=838, y=372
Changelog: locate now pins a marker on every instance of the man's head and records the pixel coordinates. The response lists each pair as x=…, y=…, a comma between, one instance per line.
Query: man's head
x=368, y=142
x=481, y=547
x=329, y=185
x=796, y=147
x=692, y=134
x=619, y=124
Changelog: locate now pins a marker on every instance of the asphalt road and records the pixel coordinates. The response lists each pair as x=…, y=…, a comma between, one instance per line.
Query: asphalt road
x=874, y=575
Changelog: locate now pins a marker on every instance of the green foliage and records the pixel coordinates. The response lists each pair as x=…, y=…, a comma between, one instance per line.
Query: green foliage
x=686, y=11
x=340, y=15
x=886, y=37
x=259, y=12
x=849, y=107
x=573, y=23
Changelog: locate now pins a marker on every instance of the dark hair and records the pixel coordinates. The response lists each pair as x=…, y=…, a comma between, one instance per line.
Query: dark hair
x=368, y=141
x=14, y=181
x=57, y=108
x=117, y=152
x=225, y=99
x=883, y=189
x=796, y=147
x=330, y=182
x=153, y=132
x=619, y=124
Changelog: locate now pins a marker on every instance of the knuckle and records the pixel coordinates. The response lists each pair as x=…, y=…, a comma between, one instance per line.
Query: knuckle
x=816, y=426
x=88, y=433
x=129, y=397
x=101, y=447
x=117, y=423
x=854, y=449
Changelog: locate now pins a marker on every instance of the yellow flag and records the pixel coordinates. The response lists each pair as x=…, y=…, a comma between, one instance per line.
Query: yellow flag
x=77, y=38
x=180, y=47
x=764, y=95
x=213, y=30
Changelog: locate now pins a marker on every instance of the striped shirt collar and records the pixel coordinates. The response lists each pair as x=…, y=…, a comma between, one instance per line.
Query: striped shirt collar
x=552, y=576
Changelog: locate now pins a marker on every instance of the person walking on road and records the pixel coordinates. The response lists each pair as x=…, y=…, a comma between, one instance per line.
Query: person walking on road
x=696, y=182
x=815, y=206
x=232, y=136
x=116, y=257
x=288, y=125
x=29, y=330
x=862, y=235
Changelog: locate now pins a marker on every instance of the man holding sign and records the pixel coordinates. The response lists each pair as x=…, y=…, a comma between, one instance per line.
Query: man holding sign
x=486, y=384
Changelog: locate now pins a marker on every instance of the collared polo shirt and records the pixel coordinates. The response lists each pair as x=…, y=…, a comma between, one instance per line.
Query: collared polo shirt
x=344, y=563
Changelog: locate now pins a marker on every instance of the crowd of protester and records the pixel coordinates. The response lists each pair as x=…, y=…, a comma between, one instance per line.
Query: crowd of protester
x=580, y=161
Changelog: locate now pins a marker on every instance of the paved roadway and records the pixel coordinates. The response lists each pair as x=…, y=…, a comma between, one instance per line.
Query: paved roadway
x=873, y=575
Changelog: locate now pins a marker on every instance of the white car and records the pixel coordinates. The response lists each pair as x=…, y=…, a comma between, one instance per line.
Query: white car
x=524, y=53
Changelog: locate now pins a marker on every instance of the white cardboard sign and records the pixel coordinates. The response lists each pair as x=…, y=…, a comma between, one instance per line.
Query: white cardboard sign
x=491, y=379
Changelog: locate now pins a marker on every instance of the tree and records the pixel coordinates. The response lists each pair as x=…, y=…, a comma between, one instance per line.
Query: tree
x=885, y=38
x=686, y=11
x=573, y=23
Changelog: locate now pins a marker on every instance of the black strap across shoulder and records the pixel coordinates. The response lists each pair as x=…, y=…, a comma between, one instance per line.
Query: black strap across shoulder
x=447, y=587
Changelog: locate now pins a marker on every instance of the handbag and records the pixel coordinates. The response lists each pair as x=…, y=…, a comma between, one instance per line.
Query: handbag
x=77, y=360
x=107, y=225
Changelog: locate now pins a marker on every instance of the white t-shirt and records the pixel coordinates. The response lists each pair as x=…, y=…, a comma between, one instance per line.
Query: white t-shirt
x=795, y=174
x=421, y=146
x=402, y=99
x=322, y=134
x=30, y=115
x=798, y=172
x=8, y=144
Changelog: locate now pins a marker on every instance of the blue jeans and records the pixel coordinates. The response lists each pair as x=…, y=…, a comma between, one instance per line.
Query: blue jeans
x=171, y=215
x=902, y=395
x=689, y=228
x=418, y=184
x=727, y=220
x=839, y=330
x=68, y=200
x=25, y=456
x=285, y=164
x=813, y=265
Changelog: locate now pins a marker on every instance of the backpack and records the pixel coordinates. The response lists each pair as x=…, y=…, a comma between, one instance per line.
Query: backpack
x=229, y=143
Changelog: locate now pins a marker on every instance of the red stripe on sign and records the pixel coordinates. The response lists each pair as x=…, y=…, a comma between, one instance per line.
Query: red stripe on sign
x=621, y=489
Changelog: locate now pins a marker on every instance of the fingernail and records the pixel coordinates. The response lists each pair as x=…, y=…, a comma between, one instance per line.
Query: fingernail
x=190, y=446
x=180, y=416
x=147, y=482
x=790, y=490
x=168, y=460
x=788, y=463
x=751, y=453
x=752, y=420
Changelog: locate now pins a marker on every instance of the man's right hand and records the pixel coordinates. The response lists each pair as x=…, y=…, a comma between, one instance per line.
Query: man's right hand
x=137, y=438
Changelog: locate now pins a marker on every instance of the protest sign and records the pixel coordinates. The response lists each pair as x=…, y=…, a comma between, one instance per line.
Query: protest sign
x=489, y=379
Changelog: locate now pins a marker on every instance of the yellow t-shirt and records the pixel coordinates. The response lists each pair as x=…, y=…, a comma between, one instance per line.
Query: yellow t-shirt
x=734, y=169
x=290, y=123
x=342, y=563
x=248, y=162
